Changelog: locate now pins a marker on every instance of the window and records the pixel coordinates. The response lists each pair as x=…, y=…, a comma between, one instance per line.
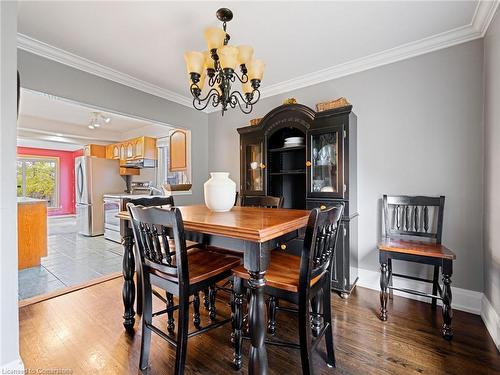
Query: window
x=37, y=177
x=164, y=175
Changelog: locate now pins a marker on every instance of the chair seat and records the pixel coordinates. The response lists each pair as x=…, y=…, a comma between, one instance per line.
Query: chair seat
x=283, y=272
x=203, y=264
x=420, y=248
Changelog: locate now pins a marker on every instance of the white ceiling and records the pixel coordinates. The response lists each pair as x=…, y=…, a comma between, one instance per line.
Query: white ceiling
x=50, y=122
x=146, y=40
x=52, y=108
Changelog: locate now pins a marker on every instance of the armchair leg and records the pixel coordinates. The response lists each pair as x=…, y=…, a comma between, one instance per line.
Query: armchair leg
x=170, y=314
x=384, y=282
x=206, y=299
x=435, y=280
x=182, y=335
x=212, y=294
x=271, y=324
x=146, y=319
x=196, y=308
x=316, y=303
x=237, y=322
x=447, y=311
x=327, y=311
x=305, y=338
x=389, y=266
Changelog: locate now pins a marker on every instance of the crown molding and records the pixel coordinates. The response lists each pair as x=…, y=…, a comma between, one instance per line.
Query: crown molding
x=485, y=11
x=476, y=29
x=45, y=50
x=483, y=15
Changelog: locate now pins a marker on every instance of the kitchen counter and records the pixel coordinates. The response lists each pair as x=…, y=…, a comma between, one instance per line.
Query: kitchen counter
x=32, y=231
x=27, y=200
x=125, y=195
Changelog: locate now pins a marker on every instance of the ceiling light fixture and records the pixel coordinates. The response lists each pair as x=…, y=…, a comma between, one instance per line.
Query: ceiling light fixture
x=97, y=119
x=219, y=64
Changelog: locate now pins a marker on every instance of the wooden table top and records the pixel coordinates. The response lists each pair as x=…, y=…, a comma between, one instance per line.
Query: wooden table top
x=247, y=223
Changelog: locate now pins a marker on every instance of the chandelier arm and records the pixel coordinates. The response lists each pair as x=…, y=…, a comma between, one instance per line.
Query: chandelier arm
x=242, y=79
x=206, y=100
x=238, y=99
x=207, y=96
x=255, y=98
x=215, y=100
x=212, y=80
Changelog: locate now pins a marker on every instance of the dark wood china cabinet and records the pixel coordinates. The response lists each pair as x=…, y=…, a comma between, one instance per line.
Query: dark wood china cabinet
x=317, y=173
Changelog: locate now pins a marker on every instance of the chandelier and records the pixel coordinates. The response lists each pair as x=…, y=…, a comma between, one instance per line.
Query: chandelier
x=219, y=64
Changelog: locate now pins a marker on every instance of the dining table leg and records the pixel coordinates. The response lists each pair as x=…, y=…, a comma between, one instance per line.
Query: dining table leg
x=256, y=262
x=128, y=292
x=257, y=324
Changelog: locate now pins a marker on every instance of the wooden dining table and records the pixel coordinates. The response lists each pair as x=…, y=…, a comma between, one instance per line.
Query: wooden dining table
x=254, y=232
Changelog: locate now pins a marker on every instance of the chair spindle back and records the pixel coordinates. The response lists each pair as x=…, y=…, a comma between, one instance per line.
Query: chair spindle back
x=320, y=242
x=153, y=227
x=417, y=216
x=265, y=201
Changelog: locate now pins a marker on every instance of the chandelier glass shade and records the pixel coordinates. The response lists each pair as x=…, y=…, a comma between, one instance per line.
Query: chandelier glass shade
x=220, y=64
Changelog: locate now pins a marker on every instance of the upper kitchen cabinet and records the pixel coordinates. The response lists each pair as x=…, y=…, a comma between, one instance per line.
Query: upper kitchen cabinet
x=113, y=151
x=133, y=149
x=178, y=151
x=144, y=148
x=95, y=150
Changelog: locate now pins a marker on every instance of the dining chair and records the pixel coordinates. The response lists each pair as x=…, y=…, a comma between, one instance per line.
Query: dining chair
x=265, y=201
x=179, y=272
x=298, y=280
x=151, y=202
x=406, y=219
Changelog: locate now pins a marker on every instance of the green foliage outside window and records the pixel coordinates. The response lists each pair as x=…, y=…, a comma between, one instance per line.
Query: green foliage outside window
x=39, y=179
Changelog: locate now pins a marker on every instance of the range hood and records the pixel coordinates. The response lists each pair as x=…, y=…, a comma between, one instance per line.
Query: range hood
x=138, y=163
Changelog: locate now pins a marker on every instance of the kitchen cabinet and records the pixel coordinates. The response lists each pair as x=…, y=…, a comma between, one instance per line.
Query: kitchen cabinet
x=113, y=151
x=130, y=150
x=94, y=150
x=318, y=173
x=32, y=231
x=129, y=171
x=139, y=146
x=178, y=151
x=136, y=148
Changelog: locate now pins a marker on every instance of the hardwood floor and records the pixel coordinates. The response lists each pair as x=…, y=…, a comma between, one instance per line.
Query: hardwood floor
x=83, y=331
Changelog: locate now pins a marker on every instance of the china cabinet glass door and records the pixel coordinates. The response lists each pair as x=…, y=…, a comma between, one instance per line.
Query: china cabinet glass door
x=253, y=167
x=325, y=175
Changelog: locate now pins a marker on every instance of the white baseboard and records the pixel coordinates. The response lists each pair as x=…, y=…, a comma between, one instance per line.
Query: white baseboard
x=15, y=367
x=491, y=320
x=462, y=299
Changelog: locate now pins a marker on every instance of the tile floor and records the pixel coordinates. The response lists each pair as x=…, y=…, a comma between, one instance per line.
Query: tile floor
x=72, y=259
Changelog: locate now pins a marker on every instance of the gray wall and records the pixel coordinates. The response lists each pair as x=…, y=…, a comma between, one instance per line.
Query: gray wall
x=492, y=164
x=419, y=132
x=40, y=74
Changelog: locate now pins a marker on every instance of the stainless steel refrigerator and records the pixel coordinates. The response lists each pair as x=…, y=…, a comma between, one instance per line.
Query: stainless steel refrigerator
x=94, y=178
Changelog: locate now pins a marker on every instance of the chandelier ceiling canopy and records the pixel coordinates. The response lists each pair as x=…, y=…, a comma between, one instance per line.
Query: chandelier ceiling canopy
x=217, y=66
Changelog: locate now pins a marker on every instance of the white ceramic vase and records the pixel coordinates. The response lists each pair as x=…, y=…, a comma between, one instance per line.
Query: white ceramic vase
x=220, y=192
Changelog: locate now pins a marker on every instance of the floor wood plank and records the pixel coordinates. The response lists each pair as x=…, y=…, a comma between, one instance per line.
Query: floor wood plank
x=82, y=331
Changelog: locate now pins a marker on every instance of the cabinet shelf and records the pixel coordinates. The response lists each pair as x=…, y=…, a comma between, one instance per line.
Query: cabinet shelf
x=286, y=149
x=281, y=173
